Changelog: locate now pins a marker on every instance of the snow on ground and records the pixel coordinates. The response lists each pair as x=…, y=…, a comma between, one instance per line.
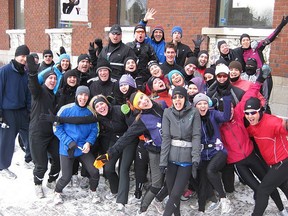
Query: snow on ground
x=17, y=198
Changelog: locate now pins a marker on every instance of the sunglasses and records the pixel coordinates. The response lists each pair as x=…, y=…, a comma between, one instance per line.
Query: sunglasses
x=252, y=112
x=47, y=56
x=116, y=33
x=177, y=97
x=222, y=76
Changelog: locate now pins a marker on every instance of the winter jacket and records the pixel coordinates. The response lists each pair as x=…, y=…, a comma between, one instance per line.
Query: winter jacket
x=183, y=52
x=181, y=125
x=234, y=134
x=166, y=68
x=234, y=55
x=271, y=138
x=79, y=133
x=107, y=88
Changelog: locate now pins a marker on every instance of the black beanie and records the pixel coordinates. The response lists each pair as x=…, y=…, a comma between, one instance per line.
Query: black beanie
x=49, y=73
x=22, y=50
x=151, y=63
x=103, y=63
x=252, y=103
x=191, y=60
x=235, y=64
x=251, y=62
x=83, y=57
x=69, y=73
x=220, y=43
x=203, y=52
x=128, y=58
x=48, y=51
x=210, y=70
x=150, y=82
x=243, y=36
x=221, y=61
x=180, y=90
x=139, y=26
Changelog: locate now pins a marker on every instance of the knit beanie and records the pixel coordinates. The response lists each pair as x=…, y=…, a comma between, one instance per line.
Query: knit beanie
x=139, y=26
x=221, y=69
x=221, y=61
x=69, y=73
x=151, y=63
x=177, y=29
x=22, y=50
x=82, y=89
x=150, y=82
x=191, y=60
x=200, y=97
x=48, y=73
x=103, y=63
x=169, y=75
x=181, y=91
x=251, y=62
x=243, y=36
x=199, y=82
x=47, y=52
x=210, y=70
x=64, y=56
x=252, y=103
x=128, y=58
x=235, y=64
x=203, y=52
x=83, y=57
x=220, y=43
x=127, y=79
x=134, y=98
x=158, y=27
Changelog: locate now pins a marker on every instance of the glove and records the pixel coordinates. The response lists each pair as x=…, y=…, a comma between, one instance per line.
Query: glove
x=163, y=169
x=62, y=50
x=265, y=71
x=125, y=109
x=99, y=43
x=254, y=44
x=101, y=160
x=49, y=117
x=284, y=21
x=198, y=41
x=92, y=50
x=194, y=169
x=32, y=66
x=71, y=149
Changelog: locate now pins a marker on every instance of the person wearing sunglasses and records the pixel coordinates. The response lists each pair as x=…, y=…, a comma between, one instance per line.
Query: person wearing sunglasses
x=270, y=135
x=181, y=148
x=47, y=60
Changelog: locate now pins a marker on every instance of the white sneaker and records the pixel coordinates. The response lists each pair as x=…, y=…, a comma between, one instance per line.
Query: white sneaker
x=58, y=199
x=211, y=206
x=158, y=205
x=110, y=196
x=95, y=198
x=225, y=205
x=134, y=201
x=84, y=183
x=29, y=165
x=120, y=207
x=51, y=185
x=6, y=173
x=39, y=191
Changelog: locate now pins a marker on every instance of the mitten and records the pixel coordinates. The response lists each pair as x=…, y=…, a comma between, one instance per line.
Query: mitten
x=71, y=148
x=163, y=169
x=125, y=109
x=198, y=41
x=194, y=169
x=32, y=66
x=99, y=43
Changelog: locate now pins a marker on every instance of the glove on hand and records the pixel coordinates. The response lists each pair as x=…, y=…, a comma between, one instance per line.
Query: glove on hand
x=49, y=117
x=71, y=148
x=198, y=41
x=265, y=71
x=125, y=109
x=92, y=50
x=101, y=160
x=32, y=66
x=284, y=21
x=99, y=43
x=163, y=169
x=194, y=169
x=62, y=50
x=254, y=44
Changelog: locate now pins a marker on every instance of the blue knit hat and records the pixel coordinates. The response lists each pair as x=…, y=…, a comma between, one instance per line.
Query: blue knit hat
x=177, y=29
x=169, y=75
x=64, y=56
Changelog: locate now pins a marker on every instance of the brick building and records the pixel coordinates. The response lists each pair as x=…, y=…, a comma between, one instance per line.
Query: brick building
x=194, y=16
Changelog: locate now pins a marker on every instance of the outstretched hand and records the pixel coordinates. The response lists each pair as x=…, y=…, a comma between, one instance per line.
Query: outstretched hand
x=32, y=66
x=149, y=14
x=198, y=41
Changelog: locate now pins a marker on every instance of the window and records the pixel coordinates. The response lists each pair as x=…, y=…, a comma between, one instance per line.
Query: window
x=59, y=23
x=245, y=13
x=19, y=14
x=130, y=12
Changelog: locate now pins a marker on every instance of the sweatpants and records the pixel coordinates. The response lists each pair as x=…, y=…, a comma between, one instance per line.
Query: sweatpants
x=87, y=161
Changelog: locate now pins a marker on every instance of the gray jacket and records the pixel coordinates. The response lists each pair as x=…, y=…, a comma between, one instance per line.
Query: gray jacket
x=179, y=126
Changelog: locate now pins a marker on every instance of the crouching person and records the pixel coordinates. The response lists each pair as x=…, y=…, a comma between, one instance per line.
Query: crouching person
x=75, y=141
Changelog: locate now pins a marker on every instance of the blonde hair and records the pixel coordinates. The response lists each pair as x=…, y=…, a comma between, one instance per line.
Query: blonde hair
x=92, y=101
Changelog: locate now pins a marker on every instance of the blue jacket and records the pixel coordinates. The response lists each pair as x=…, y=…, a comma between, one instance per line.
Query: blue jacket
x=216, y=117
x=80, y=133
x=14, y=92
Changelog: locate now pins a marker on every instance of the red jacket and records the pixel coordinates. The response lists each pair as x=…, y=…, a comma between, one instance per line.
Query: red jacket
x=271, y=138
x=234, y=134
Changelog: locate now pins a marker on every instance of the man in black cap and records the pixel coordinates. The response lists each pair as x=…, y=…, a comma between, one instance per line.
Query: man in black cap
x=143, y=51
x=47, y=60
x=116, y=52
x=15, y=104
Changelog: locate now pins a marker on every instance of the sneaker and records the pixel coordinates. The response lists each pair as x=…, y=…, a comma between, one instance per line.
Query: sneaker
x=29, y=165
x=51, y=185
x=95, y=198
x=84, y=183
x=74, y=181
x=8, y=174
x=187, y=195
x=120, y=207
x=39, y=191
x=211, y=206
x=194, y=204
x=159, y=206
x=110, y=196
x=284, y=212
x=58, y=199
x=225, y=205
x=133, y=201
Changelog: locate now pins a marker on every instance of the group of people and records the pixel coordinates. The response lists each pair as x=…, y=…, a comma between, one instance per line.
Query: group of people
x=188, y=125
